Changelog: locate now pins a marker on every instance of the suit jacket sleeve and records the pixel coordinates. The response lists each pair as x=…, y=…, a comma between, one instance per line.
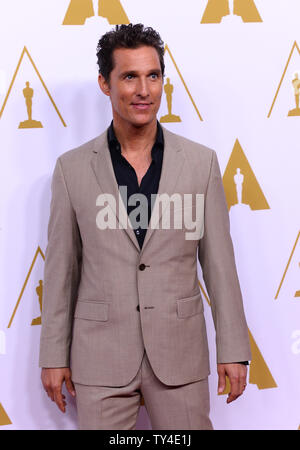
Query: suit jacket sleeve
x=61, y=275
x=216, y=256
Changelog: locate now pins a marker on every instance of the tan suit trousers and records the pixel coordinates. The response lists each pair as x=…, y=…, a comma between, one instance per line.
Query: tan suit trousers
x=183, y=407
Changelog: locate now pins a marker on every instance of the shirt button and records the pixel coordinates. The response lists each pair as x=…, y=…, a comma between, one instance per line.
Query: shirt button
x=142, y=266
x=138, y=307
x=137, y=231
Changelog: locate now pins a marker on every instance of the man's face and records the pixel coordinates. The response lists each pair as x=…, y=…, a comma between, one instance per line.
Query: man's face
x=135, y=85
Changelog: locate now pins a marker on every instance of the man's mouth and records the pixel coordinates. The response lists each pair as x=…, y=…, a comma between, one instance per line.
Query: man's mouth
x=141, y=105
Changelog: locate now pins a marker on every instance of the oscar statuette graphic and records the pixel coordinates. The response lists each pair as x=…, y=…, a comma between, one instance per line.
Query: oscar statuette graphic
x=80, y=11
x=28, y=94
x=296, y=86
x=168, y=88
x=231, y=12
x=29, y=123
x=295, y=83
x=39, y=291
x=242, y=189
x=231, y=17
x=238, y=180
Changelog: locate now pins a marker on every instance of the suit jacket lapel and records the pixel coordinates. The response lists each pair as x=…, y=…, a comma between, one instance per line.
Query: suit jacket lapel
x=103, y=169
x=173, y=161
x=101, y=163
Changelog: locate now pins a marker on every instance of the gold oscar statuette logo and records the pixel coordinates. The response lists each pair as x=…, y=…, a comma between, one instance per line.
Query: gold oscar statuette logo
x=296, y=86
x=81, y=10
x=294, y=82
x=28, y=94
x=29, y=123
x=241, y=187
x=38, y=290
x=168, y=88
x=231, y=11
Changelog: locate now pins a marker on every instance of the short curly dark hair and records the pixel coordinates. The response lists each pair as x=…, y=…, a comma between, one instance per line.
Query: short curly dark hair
x=127, y=36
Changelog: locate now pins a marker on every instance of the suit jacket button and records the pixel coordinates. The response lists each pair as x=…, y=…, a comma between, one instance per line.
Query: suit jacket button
x=142, y=266
x=138, y=307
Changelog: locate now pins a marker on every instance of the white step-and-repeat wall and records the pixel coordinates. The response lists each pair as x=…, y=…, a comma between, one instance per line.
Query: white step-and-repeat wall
x=235, y=69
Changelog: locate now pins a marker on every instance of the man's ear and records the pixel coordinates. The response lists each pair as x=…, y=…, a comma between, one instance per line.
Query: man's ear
x=104, y=85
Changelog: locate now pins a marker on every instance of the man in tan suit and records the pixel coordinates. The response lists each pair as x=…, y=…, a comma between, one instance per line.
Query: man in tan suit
x=122, y=310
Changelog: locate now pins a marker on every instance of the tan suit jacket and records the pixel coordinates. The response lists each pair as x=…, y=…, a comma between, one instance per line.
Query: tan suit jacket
x=93, y=282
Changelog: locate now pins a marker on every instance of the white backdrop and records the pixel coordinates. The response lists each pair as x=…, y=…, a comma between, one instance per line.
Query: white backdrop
x=233, y=91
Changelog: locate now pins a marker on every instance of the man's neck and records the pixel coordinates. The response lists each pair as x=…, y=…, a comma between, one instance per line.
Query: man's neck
x=135, y=140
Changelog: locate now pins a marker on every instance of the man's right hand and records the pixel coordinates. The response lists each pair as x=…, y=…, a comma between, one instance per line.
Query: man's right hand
x=53, y=379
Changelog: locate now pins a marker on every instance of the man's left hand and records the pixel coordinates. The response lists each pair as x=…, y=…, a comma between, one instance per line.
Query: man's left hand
x=237, y=374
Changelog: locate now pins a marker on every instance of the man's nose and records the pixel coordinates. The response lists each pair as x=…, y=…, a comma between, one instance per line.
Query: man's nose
x=143, y=90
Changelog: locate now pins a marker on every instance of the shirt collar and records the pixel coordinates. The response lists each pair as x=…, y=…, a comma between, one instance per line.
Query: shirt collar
x=113, y=142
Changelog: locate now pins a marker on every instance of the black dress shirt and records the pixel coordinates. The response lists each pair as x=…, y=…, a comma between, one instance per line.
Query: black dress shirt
x=126, y=175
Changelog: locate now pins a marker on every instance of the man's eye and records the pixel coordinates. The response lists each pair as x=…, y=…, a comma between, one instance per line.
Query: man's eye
x=129, y=77
x=154, y=76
